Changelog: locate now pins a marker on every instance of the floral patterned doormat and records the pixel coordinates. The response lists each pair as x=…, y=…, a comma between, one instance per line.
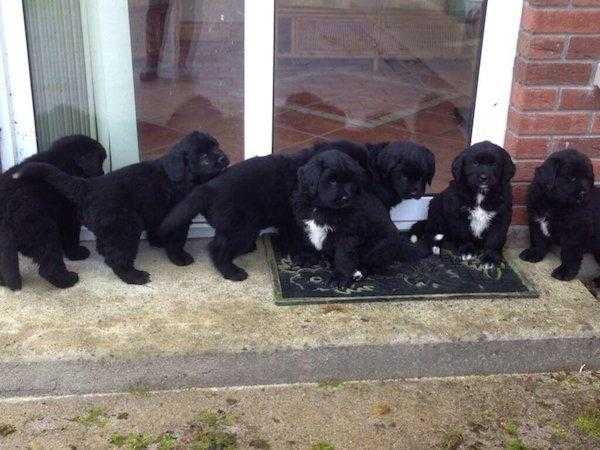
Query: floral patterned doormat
x=434, y=278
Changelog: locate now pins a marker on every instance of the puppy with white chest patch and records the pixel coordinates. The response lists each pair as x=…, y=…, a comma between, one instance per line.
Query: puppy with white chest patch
x=474, y=211
x=343, y=222
x=564, y=209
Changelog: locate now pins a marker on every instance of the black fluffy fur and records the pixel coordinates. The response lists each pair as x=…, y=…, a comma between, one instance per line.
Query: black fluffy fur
x=248, y=197
x=396, y=170
x=564, y=209
x=118, y=206
x=38, y=221
x=354, y=230
x=481, y=184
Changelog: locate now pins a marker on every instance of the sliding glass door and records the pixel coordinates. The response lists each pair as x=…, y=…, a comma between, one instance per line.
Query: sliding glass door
x=138, y=74
x=188, y=72
x=378, y=71
x=268, y=76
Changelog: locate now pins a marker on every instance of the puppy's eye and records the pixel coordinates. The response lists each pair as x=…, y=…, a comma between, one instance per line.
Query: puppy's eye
x=573, y=179
x=475, y=163
x=333, y=182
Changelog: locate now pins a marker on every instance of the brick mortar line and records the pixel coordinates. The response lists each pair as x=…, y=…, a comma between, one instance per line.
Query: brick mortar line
x=560, y=112
x=554, y=61
x=553, y=136
x=569, y=7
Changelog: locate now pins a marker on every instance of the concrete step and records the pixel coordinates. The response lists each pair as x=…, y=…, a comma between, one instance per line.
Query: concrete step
x=189, y=327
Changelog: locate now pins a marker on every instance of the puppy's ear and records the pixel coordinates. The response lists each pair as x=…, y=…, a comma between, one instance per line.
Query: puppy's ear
x=545, y=175
x=359, y=173
x=175, y=162
x=381, y=159
x=90, y=165
x=457, y=167
x=508, y=167
x=309, y=175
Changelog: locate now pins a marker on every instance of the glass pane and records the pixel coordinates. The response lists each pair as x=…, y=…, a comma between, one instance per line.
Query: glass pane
x=188, y=65
x=58, y=72
x=377, y=70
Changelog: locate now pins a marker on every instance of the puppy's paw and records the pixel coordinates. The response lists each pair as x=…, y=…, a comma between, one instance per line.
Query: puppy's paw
x=180, y=258
x=14, y=284
x=532, y=255
x=564, y=273
x=234, y=273
x=135, y=276
x=339, y=281
x=77, y=253
x=466, y=252
x=64, y=280
x=489, y=260
x=414, y=252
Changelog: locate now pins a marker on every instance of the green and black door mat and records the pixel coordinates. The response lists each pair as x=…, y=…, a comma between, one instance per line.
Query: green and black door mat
x=434, y=278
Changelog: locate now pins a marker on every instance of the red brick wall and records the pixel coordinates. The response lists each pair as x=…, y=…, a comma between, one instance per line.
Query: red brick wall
x=554, y=103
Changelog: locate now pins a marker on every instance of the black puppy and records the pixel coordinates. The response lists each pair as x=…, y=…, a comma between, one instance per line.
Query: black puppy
x=349, y=225
x=564, y=209
x=41, y=223
x=397, y=170
x=255, y=194
x=474, y=211
x=118, y=206
x=400, y=170
x=248, y=197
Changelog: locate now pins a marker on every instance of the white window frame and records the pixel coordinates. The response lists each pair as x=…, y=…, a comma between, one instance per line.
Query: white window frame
x=18, y=141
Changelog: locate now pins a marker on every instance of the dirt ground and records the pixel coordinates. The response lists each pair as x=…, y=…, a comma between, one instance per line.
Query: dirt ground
x=560, y=410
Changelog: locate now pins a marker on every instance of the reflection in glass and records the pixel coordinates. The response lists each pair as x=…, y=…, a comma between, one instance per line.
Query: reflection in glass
x=188, y=66
x=377, y=71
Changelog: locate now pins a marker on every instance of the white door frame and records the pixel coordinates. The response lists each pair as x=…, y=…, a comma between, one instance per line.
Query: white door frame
x=18, y=141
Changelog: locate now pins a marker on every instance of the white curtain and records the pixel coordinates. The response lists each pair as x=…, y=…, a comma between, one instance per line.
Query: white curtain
x=57, y=60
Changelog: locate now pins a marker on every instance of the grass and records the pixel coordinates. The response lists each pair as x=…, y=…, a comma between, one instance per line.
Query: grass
x=166, y=442
x=132, y=441
x=214, y=434
x=322, y=446
x=331, y=383
x=141, y=441
x=511, y=428
x=214, y=440
x=514, y=444
x=95, y=416
x=215, y=419
x=589, y=423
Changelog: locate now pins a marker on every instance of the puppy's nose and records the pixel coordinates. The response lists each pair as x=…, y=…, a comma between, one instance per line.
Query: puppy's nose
x=222, y=159
x=483, y=177
x=344, y=198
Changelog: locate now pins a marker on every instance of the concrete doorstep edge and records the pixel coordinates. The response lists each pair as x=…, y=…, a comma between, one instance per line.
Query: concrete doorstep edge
x=362, y=362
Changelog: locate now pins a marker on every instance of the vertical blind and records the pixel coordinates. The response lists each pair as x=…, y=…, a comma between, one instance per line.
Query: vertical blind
x=55, y=41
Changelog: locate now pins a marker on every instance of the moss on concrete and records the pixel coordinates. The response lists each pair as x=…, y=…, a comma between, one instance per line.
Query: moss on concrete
x=589, y=423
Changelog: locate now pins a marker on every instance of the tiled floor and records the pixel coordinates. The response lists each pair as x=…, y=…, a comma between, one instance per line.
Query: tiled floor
x=315, y=100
